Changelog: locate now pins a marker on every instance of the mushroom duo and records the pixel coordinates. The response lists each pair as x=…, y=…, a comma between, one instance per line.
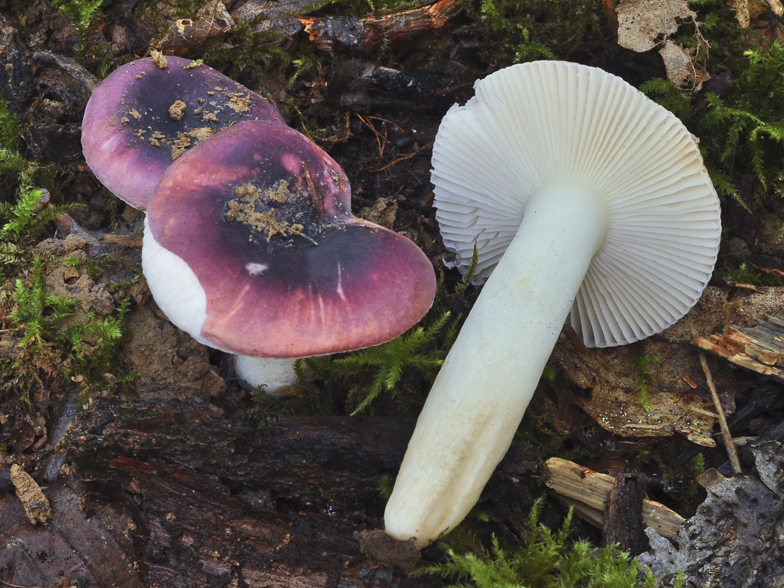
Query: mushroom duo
x=588, y=203
x=249, y=242
x=250, y=247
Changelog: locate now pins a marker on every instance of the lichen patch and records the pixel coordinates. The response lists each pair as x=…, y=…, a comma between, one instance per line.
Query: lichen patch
x=177, y=110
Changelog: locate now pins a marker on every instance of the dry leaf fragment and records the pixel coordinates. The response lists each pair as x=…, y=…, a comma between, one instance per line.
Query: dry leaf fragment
x=212, y=20
x=745, y=10
x=682, y=68
x=643, y=24
x=646, y=24
x=776, y=6
x=614, y=403
x=36, y=505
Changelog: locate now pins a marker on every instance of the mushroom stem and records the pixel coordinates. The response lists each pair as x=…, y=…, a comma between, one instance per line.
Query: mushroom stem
x=486, y=382
x=269, y=372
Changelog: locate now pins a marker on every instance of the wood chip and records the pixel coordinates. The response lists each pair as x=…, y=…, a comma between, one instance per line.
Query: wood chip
x=759, y=348
x=36, y=505
x=579, y=484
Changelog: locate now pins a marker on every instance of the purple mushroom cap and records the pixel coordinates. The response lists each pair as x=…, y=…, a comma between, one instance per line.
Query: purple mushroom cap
x=144, y=116
x=261, y=216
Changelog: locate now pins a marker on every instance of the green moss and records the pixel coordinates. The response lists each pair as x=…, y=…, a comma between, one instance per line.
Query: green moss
x=248, y=54
x=741, y=131
x=642, y=364
x=384, y=366
x=546, y=559
x=82, y=12
x=728, y=270
x=523, y=30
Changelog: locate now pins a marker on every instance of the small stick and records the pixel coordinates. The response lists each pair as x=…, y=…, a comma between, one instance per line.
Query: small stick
x=404, y=158
x=725, y=430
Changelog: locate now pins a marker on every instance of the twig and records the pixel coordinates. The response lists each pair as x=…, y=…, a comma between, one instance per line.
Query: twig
x=725, y=430
x=405, y=157
x=382, y=145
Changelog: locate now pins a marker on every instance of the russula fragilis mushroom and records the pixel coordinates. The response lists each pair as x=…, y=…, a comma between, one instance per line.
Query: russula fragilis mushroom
x=147, y=113
x=250, y=247
x=588, y=202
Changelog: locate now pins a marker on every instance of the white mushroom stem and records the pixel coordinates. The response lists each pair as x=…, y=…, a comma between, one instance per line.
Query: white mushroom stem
x=489, y=376
x=265, y=371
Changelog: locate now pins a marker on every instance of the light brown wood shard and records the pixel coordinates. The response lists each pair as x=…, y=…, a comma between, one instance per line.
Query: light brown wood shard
x=760, y=348
x=588, y=490
x=36, y=505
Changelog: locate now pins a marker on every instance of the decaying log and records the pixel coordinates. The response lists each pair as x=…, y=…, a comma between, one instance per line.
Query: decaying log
x=332, y=464
x=623, y=522
x=360, y=37
x=170, y=526
x=760, y=348
x=177, y=494
x=588, y=492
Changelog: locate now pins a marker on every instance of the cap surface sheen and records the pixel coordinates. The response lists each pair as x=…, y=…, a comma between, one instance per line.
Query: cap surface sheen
x=261, y=218
x=142, y=117
x=538, y=122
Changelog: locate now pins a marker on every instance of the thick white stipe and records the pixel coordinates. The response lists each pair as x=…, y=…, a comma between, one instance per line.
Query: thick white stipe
x=486, y=383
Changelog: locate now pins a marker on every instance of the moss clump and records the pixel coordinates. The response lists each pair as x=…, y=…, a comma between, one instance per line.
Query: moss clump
x=524, y=30
x=546, y=559
x=739, y=116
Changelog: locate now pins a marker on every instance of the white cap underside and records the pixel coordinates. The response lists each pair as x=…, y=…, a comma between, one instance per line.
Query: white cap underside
x=538, y=122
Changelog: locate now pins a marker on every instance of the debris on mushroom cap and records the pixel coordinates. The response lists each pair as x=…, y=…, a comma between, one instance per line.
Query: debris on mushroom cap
x=257, y=221
x=519, y=133
x=146, y=114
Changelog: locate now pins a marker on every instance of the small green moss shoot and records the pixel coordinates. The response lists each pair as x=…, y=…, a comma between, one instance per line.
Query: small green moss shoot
x=388, y=362
x=385, y=486
x=741, y=127
x=82, y=12
x=546, y=559
x=643, y=364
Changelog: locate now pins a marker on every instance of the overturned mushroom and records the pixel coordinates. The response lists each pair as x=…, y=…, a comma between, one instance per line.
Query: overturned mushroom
x=251, y=248
x=147, y=113
x=588, y=202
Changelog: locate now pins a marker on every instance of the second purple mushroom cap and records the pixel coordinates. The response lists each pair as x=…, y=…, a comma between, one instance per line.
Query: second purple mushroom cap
x=147, y=113
x=251, y=248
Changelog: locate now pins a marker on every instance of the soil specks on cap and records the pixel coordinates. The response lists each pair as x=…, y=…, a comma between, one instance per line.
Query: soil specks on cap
x=249, y=207
x=177, y=110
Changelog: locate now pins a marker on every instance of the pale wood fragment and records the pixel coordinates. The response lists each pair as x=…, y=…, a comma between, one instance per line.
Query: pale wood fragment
x=760, y=348
x=588, y=490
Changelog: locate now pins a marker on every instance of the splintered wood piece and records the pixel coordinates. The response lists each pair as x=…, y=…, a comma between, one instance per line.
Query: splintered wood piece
x=592, y=489
x=362, y=36
x=759, y=348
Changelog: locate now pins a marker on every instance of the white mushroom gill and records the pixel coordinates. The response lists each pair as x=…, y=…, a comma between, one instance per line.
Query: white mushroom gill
x=585, y=200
